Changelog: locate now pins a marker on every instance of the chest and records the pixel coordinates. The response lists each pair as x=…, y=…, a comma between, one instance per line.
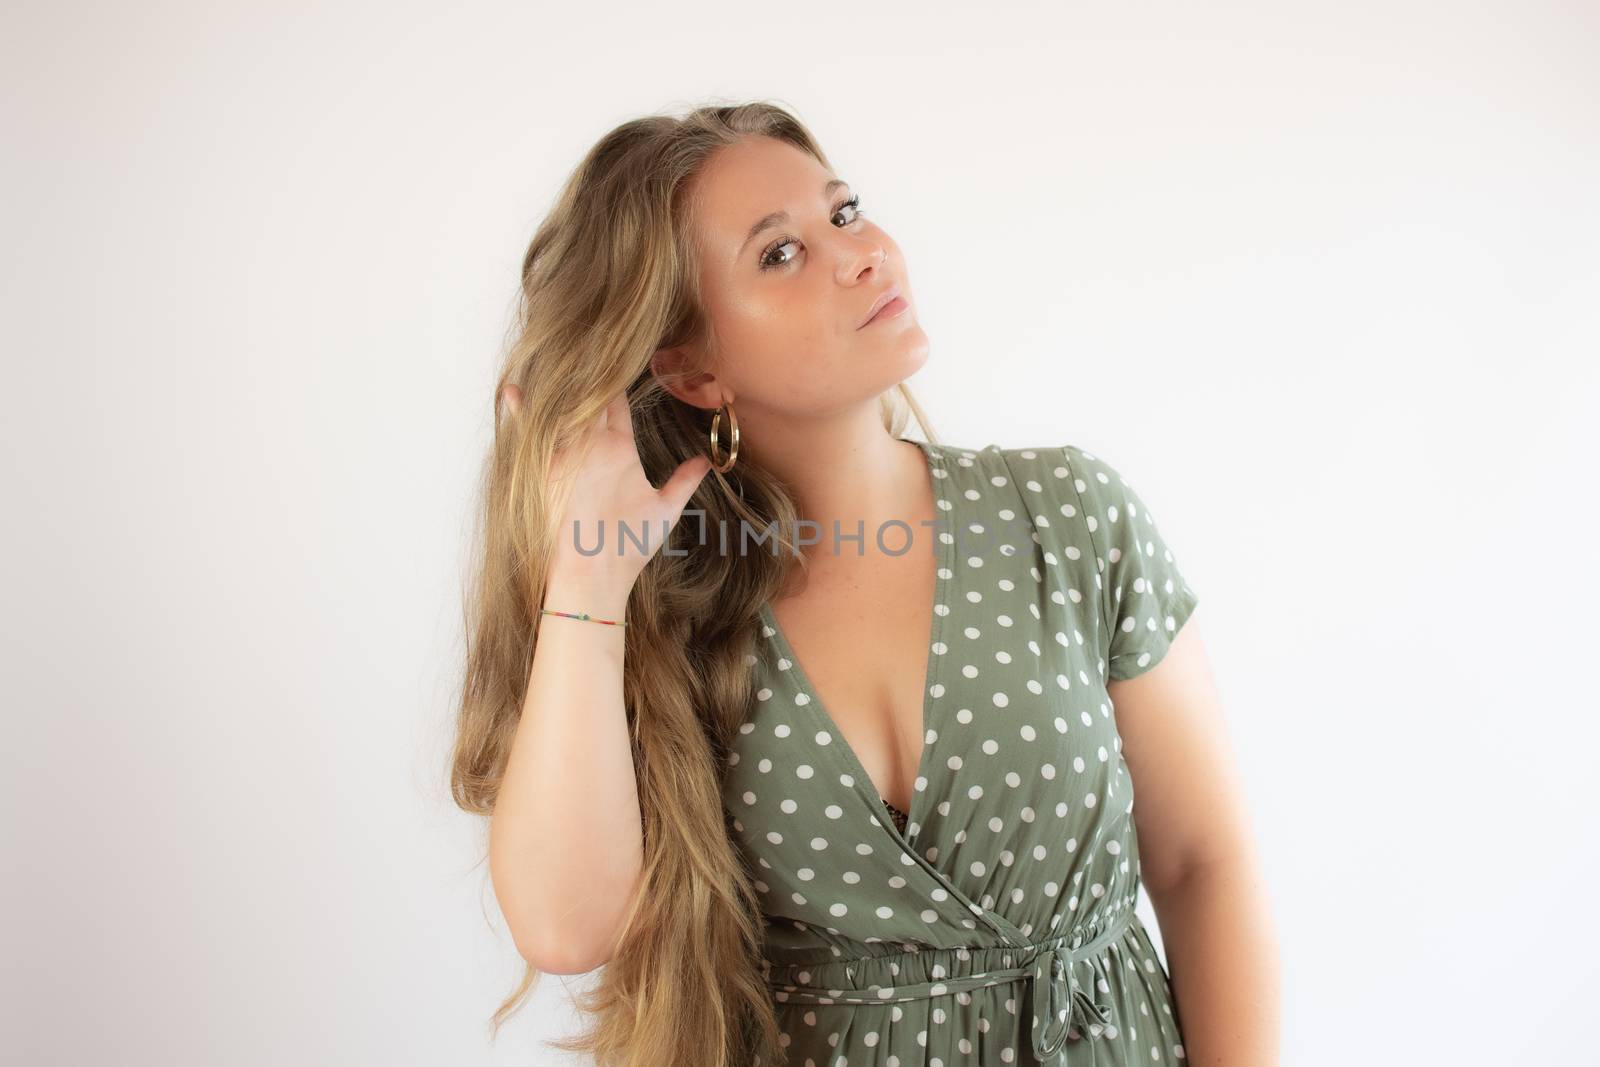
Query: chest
x=860, y=636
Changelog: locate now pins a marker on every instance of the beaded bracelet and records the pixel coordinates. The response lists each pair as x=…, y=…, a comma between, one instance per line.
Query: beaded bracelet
x=580, y=615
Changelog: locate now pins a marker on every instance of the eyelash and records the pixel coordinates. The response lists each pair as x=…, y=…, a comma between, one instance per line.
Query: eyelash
x=765, y=264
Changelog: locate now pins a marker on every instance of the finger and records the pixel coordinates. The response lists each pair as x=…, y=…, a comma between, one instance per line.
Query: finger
x=581, y=443
x=511, y=399
x=621, y=418
x=683, y=483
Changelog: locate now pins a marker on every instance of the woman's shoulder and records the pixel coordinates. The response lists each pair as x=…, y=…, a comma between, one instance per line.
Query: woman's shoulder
x=1060, y=478
x=1063, y=483
x=995, y=450
x=1059, y=459
x=1055, y=460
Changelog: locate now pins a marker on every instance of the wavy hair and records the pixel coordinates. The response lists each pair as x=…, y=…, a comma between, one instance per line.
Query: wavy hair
x=610, y=277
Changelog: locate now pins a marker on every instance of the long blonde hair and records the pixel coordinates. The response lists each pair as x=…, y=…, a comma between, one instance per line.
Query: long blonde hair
x=609, y=277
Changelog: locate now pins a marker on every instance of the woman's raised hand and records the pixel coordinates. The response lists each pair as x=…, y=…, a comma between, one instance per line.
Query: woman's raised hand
x=609, y=486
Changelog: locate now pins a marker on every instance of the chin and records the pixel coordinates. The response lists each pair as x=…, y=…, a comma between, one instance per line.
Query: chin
x=912, y=352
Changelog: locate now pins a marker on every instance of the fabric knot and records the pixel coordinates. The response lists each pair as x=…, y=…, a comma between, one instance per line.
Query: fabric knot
x=1059, y=1002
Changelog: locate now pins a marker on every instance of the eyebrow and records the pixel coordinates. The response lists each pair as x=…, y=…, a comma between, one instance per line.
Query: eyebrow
x=776, y=217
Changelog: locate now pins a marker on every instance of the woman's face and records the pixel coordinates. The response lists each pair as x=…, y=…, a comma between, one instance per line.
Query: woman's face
x=788, y=301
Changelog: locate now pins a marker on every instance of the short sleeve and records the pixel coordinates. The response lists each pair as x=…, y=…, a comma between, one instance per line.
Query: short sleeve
x=1144, y=598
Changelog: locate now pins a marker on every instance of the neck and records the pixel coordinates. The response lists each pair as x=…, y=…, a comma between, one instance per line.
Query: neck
x=853, y=473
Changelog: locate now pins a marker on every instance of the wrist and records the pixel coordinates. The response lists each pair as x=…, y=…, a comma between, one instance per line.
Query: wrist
x=599, y=596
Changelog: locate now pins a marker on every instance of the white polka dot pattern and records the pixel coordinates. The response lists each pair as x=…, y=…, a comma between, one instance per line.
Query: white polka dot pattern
x=1144, y=596
x=999, y=925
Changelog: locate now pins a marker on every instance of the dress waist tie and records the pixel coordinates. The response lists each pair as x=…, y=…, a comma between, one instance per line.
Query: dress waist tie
x=1053, y=964
x=1058, y=1001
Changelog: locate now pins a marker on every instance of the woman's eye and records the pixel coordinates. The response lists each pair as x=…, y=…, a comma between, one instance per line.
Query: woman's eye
x=768, y=263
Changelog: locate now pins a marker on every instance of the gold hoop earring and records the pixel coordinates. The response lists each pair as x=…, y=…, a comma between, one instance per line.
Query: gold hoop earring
x=733, y=442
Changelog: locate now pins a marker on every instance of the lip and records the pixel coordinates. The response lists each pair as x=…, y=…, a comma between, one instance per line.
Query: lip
x=884, y=299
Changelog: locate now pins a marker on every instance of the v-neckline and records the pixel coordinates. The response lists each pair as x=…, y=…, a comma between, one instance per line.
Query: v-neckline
x=943, y=533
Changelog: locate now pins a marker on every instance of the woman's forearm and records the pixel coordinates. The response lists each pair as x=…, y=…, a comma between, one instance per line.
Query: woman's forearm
x=1221, y=947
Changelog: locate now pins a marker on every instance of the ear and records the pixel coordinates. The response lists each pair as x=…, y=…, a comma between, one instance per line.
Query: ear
x=697, y=390
x=511, y=399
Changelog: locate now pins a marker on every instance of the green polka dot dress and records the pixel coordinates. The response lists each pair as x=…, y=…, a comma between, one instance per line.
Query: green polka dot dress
x=997, y=926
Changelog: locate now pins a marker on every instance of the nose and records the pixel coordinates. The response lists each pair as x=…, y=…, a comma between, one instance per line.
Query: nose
x=870, y=255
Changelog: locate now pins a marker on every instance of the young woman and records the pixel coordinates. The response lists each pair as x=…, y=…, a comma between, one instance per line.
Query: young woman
x=867, y=800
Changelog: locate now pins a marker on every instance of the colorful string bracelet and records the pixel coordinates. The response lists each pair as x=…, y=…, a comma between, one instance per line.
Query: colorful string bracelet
x=581, y=616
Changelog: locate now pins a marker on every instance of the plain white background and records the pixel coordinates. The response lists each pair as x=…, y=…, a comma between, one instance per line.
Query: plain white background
x=1322, y=280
